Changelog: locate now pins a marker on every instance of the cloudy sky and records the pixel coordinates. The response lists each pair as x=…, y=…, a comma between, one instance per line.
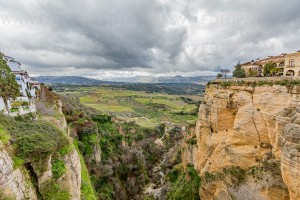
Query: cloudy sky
x=102, y=38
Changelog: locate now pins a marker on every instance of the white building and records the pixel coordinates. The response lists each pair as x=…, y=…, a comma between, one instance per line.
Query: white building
x=28, y=88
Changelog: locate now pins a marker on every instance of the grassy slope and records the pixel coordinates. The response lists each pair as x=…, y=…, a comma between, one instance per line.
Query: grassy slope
x=87, y=190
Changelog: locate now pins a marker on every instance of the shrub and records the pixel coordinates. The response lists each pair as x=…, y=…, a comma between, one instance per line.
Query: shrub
x=16, y=104
x=186, y=186
x=252, y=73
x=65, y=150
x=270, y=69
x=238, y=173
x=24, y=103
x=192, y=141
x=87, y=132
x=173, y=175
x=34, y=144
x=239, y=72
x=18, y=162
x=34, y=139
x=14, y=110
x=53, y=191
x=58, y=168
x=4, y=137
x=87, y=190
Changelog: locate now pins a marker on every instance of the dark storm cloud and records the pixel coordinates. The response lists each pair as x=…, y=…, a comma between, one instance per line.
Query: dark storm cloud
x=156, y=36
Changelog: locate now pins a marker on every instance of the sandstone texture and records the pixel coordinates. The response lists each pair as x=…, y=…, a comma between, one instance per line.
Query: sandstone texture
x=14, y=183
x=245, y=126
x=71, y=180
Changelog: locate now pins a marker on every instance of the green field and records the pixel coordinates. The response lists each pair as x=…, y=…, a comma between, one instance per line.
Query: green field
x=146, y=109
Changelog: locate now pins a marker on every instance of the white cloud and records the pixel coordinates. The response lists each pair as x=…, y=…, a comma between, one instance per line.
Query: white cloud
x=145, y=37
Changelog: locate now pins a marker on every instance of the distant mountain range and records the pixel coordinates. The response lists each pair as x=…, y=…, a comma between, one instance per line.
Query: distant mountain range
x=77, y=80
x=72, y=80
x=166, y=79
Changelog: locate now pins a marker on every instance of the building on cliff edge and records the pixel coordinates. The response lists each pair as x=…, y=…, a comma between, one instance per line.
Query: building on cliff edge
x=288, y=65
x=25, y=103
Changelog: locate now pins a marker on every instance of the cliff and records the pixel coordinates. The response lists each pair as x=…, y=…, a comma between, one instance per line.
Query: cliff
x=38, y=159
x=248, y=142
x=34, y=165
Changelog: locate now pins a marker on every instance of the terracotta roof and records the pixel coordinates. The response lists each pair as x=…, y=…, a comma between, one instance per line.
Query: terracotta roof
x=279, y=58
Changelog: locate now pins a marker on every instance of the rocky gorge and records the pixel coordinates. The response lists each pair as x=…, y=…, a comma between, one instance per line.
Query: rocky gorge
x=245, y=145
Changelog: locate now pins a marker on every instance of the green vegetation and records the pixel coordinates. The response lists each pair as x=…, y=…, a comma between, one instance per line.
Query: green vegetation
x=192, y=141
x=219, y=75
x=239, y=72
x=4, y=137
x=13, y=110
x=4, y=197
x=34, y=139
x=128, y=151
x=120, y=165
x=87, y=190
x=185, y=185
x=273, y=167
x=9, y=85
x=17, y=104
x=237, y=175
x=87, y=132
x=288, y=83
x=33, y=142
x=252, y=73
x=18, y=162
x=58, y=168
x=53, y=191
x=270, y=69
x=128, y=161
x=146, y=109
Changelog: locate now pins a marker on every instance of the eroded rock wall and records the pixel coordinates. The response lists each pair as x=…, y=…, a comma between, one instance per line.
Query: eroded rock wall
x=244, y=126
x=14, y=183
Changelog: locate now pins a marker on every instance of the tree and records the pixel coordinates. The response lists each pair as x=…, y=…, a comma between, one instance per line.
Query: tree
x=219, y=75
x=225, y=72
x=252, y=73
x=9, y=87
x=274, y=71
x=239, y=72
x=270, y=69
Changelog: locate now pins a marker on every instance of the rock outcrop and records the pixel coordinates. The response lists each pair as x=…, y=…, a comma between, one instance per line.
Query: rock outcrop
x=71, y=180
x=14, y=183
x=32, y=178
x=249, y=127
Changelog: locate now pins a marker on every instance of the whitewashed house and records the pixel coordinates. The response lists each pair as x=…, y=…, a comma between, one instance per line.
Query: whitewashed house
x=28, y=89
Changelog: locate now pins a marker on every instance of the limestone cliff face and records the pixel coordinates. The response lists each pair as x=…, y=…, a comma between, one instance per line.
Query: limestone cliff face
x=244, y=126
x=71, y=180
x=32, y=178
x=13, y=182
x=17, y=183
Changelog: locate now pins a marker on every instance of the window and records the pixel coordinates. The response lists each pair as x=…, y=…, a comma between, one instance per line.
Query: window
x=290, y=73
x=281, y=64
x=292, y=62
